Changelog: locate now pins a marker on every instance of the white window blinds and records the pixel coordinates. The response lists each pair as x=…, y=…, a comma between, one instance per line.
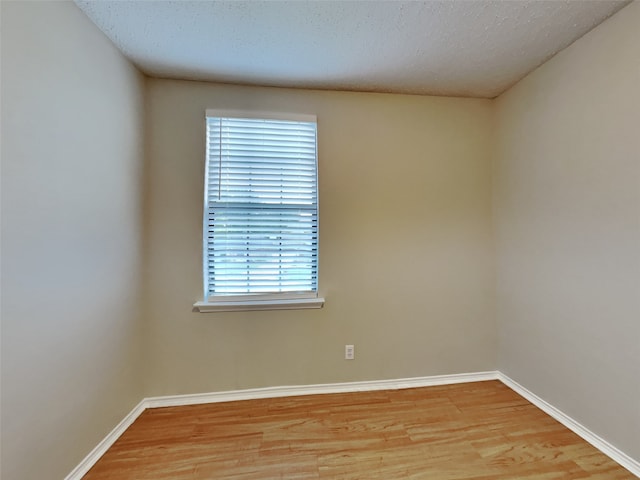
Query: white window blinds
x=261, y=207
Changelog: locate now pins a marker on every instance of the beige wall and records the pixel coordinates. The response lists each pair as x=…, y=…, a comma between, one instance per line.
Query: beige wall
x=405, y=244
x=72, y=117
x=567, y=209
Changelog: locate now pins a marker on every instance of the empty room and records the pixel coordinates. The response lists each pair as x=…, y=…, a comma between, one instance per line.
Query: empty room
x=247, y=239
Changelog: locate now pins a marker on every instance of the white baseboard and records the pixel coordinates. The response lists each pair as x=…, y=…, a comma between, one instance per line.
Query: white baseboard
x=90, y=460
x=297, y=390
x=605, y=447
x=288, y=391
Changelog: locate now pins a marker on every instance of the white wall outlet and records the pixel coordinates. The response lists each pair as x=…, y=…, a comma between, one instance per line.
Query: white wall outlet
x=349, y=352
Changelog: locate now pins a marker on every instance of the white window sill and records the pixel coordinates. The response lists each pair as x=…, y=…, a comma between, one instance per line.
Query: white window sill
x=250, y=305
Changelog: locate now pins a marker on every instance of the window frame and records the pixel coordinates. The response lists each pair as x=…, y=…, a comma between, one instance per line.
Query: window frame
x=269, y=301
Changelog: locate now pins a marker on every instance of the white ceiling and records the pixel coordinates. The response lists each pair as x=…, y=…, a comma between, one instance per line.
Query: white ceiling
x=454, y=47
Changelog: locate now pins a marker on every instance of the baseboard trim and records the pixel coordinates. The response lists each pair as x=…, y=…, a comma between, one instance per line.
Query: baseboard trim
x=397, y=384
x=298, y=390
x=90, y=460
x=605, y=447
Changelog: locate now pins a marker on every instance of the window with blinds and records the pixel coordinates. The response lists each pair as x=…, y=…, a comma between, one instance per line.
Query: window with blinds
x=261, y=207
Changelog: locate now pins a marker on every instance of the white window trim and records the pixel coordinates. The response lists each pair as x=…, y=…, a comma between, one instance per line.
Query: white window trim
x=282, y=301
x=295, y=117
x=252, y=305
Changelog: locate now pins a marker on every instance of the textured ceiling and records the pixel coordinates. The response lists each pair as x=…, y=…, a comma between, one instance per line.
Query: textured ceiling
x=455, y=47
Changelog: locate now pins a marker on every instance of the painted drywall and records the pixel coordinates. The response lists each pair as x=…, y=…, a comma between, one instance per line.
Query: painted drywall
x=72, y=153
x=405, y=244
x=567, y=216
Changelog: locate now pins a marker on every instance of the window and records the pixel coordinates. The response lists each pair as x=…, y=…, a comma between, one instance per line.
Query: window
x=260, y=213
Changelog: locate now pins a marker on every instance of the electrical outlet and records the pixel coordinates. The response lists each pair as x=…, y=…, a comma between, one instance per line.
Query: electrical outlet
x=349, y=352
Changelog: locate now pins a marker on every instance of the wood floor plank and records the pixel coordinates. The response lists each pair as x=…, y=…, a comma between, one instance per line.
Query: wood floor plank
x=474, y=431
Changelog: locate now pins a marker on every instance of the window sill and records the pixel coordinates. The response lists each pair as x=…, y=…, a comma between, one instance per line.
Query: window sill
x=251, y=305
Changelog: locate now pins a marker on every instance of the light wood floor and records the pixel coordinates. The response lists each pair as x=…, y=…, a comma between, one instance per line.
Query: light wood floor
x=473, y=431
